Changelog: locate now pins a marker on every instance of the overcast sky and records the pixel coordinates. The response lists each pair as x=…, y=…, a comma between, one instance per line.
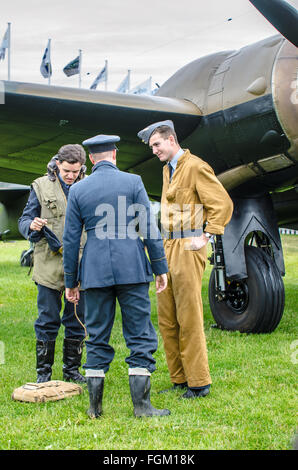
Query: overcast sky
x=152, y=38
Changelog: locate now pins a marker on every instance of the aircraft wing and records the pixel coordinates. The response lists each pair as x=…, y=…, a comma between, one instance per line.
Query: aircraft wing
x=36, y=120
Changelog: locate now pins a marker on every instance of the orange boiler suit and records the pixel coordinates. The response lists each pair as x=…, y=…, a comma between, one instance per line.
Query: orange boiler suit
x=193, y=197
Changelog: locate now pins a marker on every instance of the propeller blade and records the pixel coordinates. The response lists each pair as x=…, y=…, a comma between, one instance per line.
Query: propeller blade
x=281, y=15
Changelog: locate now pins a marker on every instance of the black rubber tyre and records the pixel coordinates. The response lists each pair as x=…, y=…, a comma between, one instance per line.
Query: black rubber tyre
x=255, y=304
x=278, y=293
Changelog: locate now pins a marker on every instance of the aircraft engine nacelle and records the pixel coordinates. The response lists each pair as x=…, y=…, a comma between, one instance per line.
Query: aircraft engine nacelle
x=285, y=94
x=13, y=198
x=248, y=100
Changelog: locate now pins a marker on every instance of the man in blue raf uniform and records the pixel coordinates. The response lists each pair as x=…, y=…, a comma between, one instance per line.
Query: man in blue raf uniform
x=114, y=266
x=42, y=222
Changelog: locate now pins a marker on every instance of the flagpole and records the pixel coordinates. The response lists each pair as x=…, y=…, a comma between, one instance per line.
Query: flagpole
x=106, y=79
x=49, y=75
x=128, y=80
x=80, y=60
x=8, y=53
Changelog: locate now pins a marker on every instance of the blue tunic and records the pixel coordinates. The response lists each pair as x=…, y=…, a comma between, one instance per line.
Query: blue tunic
x=107, y=203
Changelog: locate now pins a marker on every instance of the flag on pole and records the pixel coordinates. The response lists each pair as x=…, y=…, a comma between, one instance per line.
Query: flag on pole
x=73, y=67
x=101, y=77
x=4, y=44
x=125, y=84
x=45, y=66
x=142, y=88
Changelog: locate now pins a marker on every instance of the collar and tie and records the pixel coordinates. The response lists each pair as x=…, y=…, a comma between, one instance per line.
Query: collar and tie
x=171, y=170
x=173, y=163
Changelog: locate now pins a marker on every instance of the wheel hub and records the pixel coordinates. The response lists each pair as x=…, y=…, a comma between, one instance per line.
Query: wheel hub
x=237, y=296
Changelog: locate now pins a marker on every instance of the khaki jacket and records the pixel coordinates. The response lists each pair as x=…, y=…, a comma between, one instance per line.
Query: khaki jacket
x=194, y=197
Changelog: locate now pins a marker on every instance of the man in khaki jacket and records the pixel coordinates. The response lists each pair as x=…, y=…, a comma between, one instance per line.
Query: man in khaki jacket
x=192, y=198
x=42, y=222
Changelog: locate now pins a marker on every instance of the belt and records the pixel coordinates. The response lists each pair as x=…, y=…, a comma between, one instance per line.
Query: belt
x=182, y=234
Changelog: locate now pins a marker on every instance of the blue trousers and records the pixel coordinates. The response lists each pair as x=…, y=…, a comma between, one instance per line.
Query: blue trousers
x=49, y=304
x=138, y=331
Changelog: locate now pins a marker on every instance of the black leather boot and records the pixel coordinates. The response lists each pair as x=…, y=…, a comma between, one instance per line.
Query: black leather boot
x=72, y=356
x=140, y=394
x=196, y=392
x=95, y=389
x=45, y=352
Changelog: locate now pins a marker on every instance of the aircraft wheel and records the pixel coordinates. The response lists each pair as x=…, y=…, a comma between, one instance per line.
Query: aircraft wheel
x=252, y=305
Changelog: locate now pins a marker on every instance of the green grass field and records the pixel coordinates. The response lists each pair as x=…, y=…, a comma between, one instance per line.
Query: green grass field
x=252, y=404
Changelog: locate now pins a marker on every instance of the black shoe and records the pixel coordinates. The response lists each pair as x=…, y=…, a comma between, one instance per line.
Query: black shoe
x=140, y=394
x=181, y=386
x=72, y=356
x=45, y=352
x=95, y=389
x=196, y=392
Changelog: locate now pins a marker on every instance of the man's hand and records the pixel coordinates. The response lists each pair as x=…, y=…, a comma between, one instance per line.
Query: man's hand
x=196, y=243
x=161, y=282
x=72, y=294
x=37, y=224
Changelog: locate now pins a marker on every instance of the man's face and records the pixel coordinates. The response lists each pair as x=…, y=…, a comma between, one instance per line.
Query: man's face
x=69, y=171
x=162, y=148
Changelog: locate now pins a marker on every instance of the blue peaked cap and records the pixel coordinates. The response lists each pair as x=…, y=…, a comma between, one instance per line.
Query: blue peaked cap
x=51, y=238
x=101, y=143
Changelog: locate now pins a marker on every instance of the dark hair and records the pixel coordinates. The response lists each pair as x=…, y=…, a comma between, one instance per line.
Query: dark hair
x=165, y=132
x=72, y=153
